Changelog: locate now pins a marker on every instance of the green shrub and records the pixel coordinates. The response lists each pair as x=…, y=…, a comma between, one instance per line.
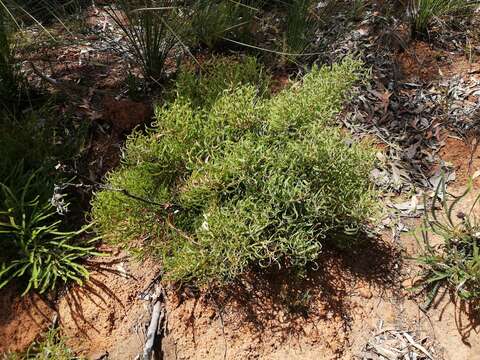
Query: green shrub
x=33, y=246
x=38, y=139
x=202, y=88
x=423, y=12
x=244, y=182
x=36, y=246
x=455, y=261
x=215, y=20
x=51, y=346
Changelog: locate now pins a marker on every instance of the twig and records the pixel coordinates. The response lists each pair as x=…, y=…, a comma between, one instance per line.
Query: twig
x=125, y=192
x=45, y=77
x=158, y=316
x=157, y=313
x=155, y=279
x=473, y=149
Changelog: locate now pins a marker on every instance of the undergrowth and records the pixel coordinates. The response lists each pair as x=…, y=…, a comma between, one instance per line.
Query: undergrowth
x=51, y=346
x=454, y=261
x=246, y=182
x=39, y=248
x=215, y=20
x=12, y=84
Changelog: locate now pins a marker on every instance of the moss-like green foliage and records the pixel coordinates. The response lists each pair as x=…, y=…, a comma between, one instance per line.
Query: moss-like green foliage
x=244, y=182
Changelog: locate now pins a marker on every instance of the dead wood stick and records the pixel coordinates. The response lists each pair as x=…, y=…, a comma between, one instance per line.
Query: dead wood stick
x=158, y=316
x=152, y=329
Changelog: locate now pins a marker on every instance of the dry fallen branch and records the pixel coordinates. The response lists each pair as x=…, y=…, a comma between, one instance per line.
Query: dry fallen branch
x=155, y=331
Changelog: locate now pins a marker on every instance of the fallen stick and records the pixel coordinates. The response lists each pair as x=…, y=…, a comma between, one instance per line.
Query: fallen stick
x=152, y=330
x=158, y=315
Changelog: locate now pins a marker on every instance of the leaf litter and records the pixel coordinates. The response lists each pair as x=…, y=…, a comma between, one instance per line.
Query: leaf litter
x=397, y=344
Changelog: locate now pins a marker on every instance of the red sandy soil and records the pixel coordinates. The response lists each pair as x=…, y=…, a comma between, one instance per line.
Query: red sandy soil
x=21, y=319
x=421, y=61
x=464, y=155
x=106, y=316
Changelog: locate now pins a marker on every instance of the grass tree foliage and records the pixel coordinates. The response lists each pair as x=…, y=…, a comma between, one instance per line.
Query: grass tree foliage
x=241, y=180
x=152, y=29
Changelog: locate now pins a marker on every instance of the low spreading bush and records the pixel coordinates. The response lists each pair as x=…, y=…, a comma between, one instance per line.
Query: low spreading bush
x=245, y=182
x=454, y=262
x=201, y=87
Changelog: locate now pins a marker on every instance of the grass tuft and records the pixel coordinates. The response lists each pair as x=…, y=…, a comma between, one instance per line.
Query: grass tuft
x=213, y=21
x=152, y=30
x=454, y=262
x=51, y=346
x=424, y=12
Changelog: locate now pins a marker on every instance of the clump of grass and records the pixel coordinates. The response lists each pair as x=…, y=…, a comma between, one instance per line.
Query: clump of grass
x=423, y=12
x=50, y=346
x=300, y=26
x=152, y=30
x=245, y=182
x=455, y=261
x=213, y=21
x=37, y=11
